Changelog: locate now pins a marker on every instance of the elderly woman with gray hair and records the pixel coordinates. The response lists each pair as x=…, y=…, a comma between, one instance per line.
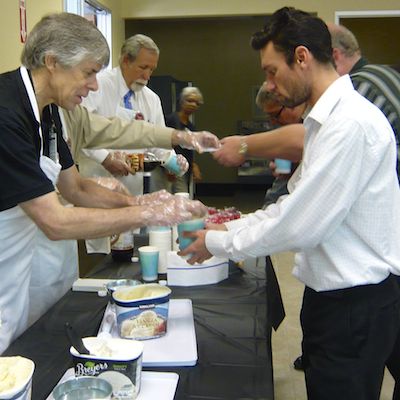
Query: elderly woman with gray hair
x=189, y=101
x=61, y=58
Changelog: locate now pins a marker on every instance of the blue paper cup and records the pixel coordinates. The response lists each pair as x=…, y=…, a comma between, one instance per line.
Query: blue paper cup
x=192, y=225
x=172, y=166
x=283, y=166
x=148, y=258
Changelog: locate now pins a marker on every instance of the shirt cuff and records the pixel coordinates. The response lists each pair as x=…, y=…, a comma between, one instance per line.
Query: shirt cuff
x=215, y=243
x=98, y=155
x=236, y=223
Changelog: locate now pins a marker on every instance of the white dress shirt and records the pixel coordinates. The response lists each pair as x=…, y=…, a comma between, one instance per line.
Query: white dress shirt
x=342, y=215
x=109, y=97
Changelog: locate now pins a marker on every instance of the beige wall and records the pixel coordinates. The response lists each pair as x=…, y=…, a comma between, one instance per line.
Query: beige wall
x=182, y=8
x=10, y=44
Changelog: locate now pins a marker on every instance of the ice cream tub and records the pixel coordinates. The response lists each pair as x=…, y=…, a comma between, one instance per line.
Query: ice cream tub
x=117, y=361
x=113, y=285
x=16, y=378
x=142, y=311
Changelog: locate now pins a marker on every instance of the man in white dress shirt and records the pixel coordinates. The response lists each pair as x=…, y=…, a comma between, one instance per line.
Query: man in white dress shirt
x=341, y=216
x=123, y=93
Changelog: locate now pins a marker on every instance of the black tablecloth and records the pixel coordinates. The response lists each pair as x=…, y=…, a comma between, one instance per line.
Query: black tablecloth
x=232, y=331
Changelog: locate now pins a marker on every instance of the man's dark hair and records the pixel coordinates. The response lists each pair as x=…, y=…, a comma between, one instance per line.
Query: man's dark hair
x=289, y=28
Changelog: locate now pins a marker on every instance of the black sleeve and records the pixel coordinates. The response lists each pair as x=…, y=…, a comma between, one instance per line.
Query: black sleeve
x=20, y=173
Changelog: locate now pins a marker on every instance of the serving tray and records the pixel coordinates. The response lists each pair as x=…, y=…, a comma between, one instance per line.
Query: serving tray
x=178, y=347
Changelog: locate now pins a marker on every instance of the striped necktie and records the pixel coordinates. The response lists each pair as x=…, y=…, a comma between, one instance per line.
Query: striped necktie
x=127, y=100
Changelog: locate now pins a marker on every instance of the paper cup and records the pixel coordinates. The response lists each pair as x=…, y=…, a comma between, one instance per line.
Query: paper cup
x=172, y=166
x=148, y=258
x=192, y=225
x=20, y=371
x=283, y=166
x=175, y=245
x=161, y=238
x=186, y=195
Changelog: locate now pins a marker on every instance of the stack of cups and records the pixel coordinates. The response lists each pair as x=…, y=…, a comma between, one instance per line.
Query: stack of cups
x=175, y=245
x=160, y=237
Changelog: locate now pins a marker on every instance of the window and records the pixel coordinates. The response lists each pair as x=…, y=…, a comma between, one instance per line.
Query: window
x=95, y=12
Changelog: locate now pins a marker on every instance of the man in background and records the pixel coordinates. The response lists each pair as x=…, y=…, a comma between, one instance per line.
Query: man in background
x=278, y=115
x=380, y=84
x=123, y=93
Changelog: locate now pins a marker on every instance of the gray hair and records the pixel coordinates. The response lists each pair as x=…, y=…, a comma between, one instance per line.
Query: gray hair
x=70, y=38
x=132, y=46
x=264, y=96
x=344, y=40
x=188, y=91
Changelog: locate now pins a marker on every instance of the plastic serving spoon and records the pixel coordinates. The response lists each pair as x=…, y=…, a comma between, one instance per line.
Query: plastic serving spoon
x=75, y=339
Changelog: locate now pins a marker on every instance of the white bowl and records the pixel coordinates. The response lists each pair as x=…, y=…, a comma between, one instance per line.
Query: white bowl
x=22, y=369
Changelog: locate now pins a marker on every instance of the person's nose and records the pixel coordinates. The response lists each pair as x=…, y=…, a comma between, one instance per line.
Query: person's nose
x=147, y=74
x=269, y=85
x=92, y=84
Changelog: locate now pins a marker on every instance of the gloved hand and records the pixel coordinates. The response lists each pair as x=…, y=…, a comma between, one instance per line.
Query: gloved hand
x=152, y=198
x=115, y=163
x=173, y=211
x=199, y=141
x=111, y=184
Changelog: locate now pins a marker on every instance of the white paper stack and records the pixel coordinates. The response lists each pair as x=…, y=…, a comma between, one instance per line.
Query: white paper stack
x=160, y=237
x=180, y=273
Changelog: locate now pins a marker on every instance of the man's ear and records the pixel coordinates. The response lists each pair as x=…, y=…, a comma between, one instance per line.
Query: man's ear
x=336, y=54
x=50, y=62
x=301, y=55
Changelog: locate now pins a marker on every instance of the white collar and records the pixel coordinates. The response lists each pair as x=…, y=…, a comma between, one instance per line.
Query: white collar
x=33, y=101
x=325, y=104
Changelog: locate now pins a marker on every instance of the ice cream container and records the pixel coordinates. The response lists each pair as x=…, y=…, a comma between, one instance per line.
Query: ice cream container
x=111, y=286
x=83, y=388
x=117, y=361
x=142, y=311
x=16, y=378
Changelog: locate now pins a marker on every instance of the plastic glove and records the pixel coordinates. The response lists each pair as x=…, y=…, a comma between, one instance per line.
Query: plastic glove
x=172, y=212
x=111, y=184
x=201, y=141
x=116, y=164
x=153, y=198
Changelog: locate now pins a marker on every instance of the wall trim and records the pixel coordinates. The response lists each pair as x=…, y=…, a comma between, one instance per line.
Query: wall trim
x=366, y=14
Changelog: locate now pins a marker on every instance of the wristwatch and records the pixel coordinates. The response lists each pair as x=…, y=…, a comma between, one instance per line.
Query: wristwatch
x=243, y=147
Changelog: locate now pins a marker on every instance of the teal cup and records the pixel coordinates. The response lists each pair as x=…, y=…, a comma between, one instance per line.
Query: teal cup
x=283, y=166
x=171, y=165
x=192, y=225
x=148, y=258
